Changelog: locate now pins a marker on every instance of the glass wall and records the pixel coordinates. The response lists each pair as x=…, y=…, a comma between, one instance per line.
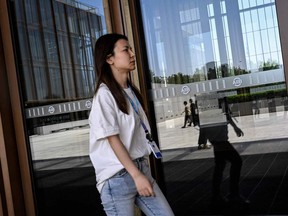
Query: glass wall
x=226, y=56
x=54, y=47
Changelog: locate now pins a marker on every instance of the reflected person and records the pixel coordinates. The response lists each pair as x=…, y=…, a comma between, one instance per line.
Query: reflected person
x=187, y=117
x=224, y=152
x=194, y=115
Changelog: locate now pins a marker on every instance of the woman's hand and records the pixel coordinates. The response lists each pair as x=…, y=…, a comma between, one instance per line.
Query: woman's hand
x=143, y=185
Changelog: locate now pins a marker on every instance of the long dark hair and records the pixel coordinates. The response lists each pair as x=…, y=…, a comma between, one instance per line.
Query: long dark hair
x=103, y=48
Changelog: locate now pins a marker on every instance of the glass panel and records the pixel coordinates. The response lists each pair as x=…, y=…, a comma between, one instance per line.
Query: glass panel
x=57, y=77
x=64, y=49
x=225, y=57
x=59, y=14
x=46, y=13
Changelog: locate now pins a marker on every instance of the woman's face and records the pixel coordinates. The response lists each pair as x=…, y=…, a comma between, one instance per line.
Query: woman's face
x=123, y=59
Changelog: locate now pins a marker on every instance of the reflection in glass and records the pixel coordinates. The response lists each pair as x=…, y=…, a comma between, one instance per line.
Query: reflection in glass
x=56, y=70
x=227, y=48
x=203, y=26
x=218, y=39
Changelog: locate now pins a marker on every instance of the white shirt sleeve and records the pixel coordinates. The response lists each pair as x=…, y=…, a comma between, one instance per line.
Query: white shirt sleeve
x=103, y=115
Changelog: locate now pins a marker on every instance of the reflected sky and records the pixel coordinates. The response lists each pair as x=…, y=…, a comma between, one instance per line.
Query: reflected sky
x=100, y=10
x=94, y=3
x=198, y=36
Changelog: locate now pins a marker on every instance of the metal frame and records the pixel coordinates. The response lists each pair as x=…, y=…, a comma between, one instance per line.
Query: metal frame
x=15, y=168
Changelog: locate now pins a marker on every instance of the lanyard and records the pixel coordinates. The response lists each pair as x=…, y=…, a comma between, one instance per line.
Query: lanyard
x=151, y=143
x=136, y=108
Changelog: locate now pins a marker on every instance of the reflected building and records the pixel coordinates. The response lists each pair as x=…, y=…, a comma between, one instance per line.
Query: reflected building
x=56, y=57
x=223, y=46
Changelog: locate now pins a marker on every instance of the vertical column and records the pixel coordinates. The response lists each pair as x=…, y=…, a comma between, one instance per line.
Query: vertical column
x=13, y=150
x=114, y=8
x=220, y=33
x=236, y=35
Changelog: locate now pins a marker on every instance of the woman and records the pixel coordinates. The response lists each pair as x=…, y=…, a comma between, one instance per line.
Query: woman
x=118, y=146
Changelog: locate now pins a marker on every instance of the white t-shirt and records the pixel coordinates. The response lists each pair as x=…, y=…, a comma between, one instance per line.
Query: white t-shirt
x=107, y=119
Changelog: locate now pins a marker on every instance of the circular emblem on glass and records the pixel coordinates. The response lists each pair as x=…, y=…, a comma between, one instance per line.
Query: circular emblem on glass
x=88, y=104
x=237, y=81
x=185, y=90
x=51, y=109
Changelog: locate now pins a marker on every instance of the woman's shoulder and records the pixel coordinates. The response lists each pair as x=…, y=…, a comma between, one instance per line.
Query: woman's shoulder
x=103, y=89
x=104, y=94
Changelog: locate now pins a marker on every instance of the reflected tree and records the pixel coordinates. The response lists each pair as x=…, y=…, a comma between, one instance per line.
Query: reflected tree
x=179, y=78
x=269, y=65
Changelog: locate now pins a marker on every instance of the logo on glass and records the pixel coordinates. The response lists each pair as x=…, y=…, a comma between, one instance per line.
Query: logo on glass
x=185, y=90
x=51, y=109
x=237, y=81
x=88, y=104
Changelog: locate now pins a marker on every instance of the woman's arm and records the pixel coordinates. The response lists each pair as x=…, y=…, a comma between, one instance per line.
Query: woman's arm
x=143, y=185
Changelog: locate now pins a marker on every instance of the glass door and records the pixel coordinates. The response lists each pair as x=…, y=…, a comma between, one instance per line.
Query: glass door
x=54, y=45
x=213, y=65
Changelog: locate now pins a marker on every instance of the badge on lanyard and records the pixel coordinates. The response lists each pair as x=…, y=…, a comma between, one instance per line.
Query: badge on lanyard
x=155, y=149
x=153, y=146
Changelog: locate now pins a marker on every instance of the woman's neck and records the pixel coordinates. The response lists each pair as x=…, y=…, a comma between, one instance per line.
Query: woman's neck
x=122, y=82
x=121, y=78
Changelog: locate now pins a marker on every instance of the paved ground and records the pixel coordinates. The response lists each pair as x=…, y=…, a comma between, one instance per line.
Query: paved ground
x=173, y=139
x=262, y=127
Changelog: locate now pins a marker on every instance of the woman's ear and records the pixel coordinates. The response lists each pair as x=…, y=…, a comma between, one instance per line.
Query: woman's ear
x=109, y=59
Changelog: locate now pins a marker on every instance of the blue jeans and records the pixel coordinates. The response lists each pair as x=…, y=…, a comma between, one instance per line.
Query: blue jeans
x=119, y=195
